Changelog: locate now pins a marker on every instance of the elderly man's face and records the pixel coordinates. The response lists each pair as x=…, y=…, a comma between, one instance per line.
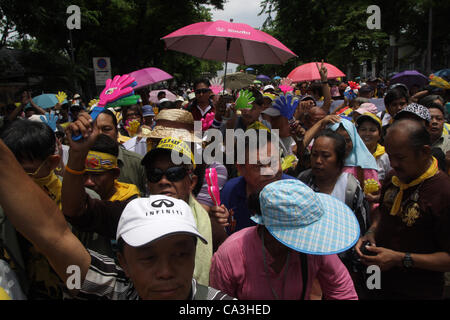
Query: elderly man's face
x=180, y=189
x=405, y=161
x=163, y=269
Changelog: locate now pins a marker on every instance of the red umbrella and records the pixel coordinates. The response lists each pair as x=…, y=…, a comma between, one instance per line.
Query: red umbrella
x=309, y=72
x=228, y=42
x=148, y=76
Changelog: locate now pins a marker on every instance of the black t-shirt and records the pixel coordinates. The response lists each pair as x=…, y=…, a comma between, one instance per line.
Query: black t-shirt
x=422, y=226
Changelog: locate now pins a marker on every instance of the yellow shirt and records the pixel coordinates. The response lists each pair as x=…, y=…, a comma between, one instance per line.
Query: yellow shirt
x=4, y=295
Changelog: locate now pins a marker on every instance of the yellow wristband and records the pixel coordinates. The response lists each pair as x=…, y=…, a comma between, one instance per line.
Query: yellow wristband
x=74, y=172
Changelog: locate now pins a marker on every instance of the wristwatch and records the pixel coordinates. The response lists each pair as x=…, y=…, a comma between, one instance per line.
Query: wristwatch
x=408, y=262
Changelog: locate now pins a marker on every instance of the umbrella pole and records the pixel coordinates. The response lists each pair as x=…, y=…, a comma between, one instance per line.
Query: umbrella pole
x=226, y=66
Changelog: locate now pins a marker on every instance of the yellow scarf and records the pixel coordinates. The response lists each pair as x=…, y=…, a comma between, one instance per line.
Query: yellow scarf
x=52, y=186
x=124, y=191
x=379, y=152
x=432, y=170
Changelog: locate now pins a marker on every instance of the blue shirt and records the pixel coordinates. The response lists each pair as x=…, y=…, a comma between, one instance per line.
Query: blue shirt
x=234, y=196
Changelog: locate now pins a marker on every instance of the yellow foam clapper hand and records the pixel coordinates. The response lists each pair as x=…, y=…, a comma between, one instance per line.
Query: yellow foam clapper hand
x=61, y=96
x=132, y=127
x=93, y=102
x=288, y=162
x=439, y=82
x=371, y=186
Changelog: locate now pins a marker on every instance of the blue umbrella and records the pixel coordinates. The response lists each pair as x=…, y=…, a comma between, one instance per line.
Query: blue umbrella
x=444, y=73
x=249, y=69
x=263, y=78
x=46, y=101
x=277, y=78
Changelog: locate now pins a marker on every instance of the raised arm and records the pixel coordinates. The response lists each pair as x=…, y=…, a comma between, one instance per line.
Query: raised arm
x=73, y=195
x=325, y=87
x=38, y=218
x=315, y=129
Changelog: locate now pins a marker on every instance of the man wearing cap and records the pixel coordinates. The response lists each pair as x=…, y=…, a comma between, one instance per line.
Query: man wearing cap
x=269, y=89
x=165, y=177
x=409, y=236
x=157, y=238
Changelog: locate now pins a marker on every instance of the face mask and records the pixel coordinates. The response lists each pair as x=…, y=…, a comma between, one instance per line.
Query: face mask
x=52, y=186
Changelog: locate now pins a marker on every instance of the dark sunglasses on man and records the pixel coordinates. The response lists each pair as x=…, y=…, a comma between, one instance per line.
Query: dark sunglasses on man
x=173, y=174
x=202, y=91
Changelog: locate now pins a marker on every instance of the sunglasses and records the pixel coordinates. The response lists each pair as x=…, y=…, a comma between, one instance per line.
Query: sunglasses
x=202, y=91
x=173, y=174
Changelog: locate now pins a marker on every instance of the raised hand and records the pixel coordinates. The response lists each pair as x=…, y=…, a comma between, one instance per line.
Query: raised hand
x=84, y=127
x=245, y=100
x=115, y=89
x=287, y=105
x=61, y=96
x=50, y=119
x=286, y=85
x=93, y=103
x=323, y=71
x=119, y=87
x=216, y=85
x=213, y=185
x=132, y=127
x=207, y=121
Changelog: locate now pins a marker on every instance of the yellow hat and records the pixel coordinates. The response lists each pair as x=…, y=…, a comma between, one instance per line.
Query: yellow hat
x=367, y=115
x=174, y=145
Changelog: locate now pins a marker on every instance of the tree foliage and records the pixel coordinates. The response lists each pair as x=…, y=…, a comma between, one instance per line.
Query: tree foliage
x=337, y=31
x=128, y=31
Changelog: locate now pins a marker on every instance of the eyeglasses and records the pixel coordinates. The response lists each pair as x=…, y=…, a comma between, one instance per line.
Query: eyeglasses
x=202, y=91
x=173, y=174
x=32, y=174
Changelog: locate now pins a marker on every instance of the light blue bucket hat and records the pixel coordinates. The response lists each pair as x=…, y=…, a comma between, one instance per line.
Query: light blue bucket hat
x=306, y=221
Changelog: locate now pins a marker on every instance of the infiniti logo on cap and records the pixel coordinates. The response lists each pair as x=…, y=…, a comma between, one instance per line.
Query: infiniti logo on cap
x=163, y=202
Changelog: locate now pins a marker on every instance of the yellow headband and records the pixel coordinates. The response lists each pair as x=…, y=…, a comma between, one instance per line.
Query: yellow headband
x=177, y=145
x=100, y=162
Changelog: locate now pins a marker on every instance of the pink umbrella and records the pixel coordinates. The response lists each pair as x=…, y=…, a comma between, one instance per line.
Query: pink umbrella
x=154, y=95
x=229, y=42
x=309, y=72
x=148, y=76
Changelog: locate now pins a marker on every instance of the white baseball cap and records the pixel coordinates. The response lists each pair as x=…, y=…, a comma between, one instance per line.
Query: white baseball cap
x=269, y=87
x=145, y=220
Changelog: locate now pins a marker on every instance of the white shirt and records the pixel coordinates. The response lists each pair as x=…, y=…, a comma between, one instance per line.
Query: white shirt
x=384, y=166
x=140, y=147
x=204, y=112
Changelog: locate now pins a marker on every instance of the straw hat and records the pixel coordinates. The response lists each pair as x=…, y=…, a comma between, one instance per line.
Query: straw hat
x=175, y=123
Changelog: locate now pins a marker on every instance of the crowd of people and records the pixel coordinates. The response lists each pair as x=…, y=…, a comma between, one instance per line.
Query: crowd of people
x=356, y=175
